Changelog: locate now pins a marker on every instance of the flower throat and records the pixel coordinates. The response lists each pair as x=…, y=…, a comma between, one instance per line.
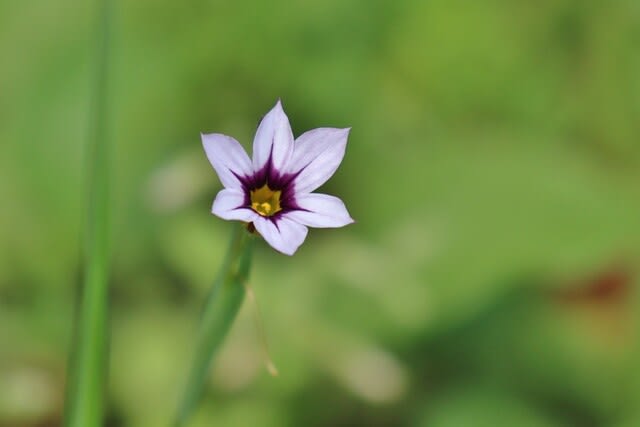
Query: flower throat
x=266, y=201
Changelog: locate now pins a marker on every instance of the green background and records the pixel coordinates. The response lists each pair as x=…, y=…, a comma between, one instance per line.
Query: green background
x=493, y=170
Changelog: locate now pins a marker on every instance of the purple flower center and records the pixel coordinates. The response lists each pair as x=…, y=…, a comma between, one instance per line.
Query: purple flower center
x=269, y=192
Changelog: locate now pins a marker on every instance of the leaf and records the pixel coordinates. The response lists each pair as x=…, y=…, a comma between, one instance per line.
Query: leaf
x=84, y=402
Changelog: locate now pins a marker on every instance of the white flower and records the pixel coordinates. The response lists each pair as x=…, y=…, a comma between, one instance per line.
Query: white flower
x=274, y=191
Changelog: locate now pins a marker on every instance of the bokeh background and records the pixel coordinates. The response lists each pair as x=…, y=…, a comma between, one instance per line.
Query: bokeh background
x=493, y=169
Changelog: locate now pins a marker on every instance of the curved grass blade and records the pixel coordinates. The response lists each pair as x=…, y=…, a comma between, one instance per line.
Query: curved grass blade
x=84, y=400
x=221, y=307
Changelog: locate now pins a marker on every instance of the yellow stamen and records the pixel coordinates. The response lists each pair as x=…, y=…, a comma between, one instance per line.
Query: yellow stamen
x=265, y=201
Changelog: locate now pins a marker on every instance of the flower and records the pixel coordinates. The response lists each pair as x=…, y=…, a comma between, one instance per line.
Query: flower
x=274, y=191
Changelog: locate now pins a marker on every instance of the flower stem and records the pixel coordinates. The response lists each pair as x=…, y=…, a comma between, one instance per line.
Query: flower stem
x=221, y=307
x=84, y=401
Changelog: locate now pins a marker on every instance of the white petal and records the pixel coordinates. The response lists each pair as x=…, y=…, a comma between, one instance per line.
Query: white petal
x=286, y=237
x=320, y=211
x=317, y=154
x=227, y=157
x=273, y=138
x=228, y=205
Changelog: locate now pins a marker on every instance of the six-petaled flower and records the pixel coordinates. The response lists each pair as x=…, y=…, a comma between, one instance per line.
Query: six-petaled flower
x=274, y=191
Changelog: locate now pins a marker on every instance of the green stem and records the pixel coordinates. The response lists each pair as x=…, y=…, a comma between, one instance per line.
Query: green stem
x=84, y=403
x=221, y=307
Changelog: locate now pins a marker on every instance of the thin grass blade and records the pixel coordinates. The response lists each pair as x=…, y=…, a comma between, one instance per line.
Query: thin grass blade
x=84, y=401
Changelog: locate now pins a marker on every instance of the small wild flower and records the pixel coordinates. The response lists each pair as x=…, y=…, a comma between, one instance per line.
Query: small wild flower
x=273, y=193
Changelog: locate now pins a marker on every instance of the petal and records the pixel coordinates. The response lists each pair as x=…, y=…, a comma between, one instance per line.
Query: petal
x=273, y=139
x=285, y=235
x=227, y=157
x=229, y=204
x=316, y=156
x=320, y=211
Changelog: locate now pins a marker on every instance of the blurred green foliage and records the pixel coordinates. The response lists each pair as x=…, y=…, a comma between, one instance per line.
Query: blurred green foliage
x=493, y=169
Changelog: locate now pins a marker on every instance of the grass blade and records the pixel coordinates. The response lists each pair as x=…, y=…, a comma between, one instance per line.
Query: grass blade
x=84, y=402
x=220, y=310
